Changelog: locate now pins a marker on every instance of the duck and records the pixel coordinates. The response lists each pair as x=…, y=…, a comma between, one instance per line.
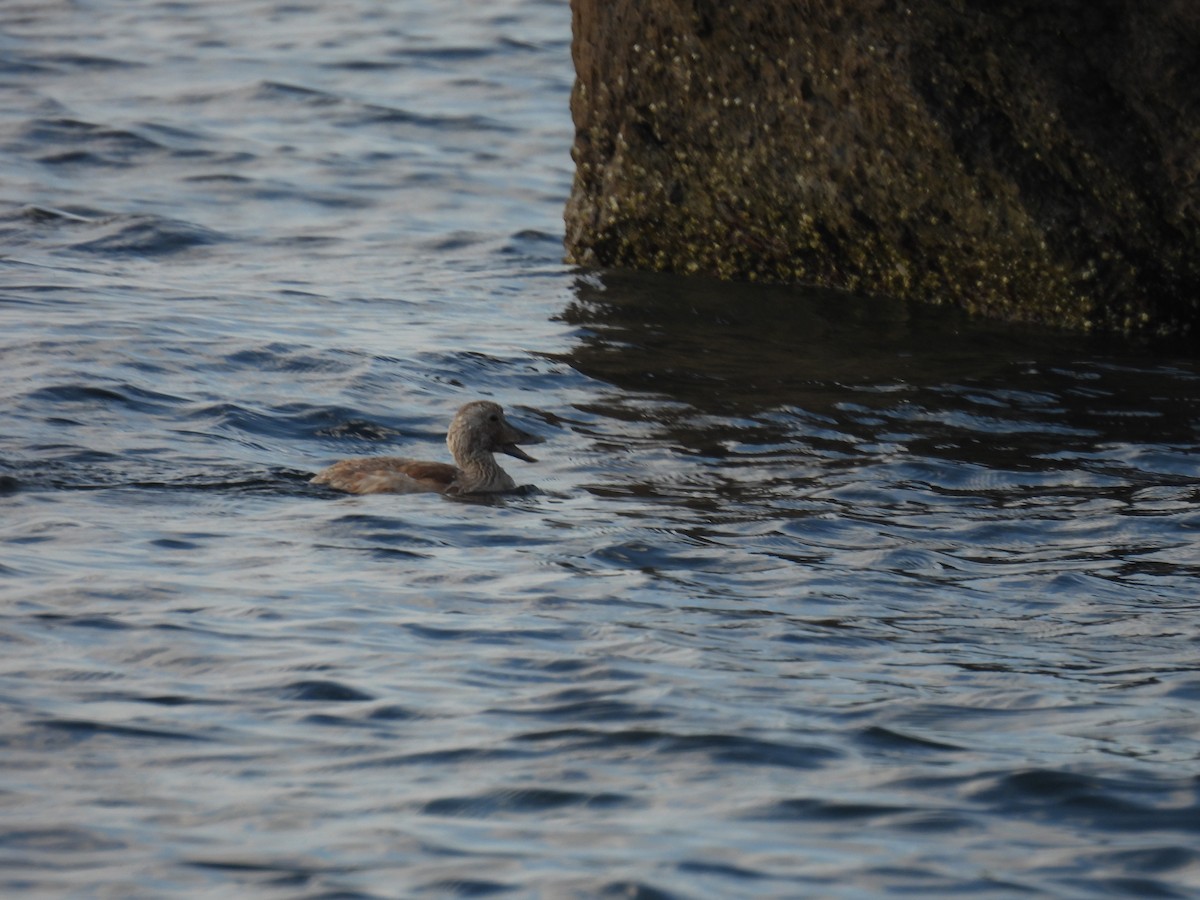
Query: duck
x=479, y=430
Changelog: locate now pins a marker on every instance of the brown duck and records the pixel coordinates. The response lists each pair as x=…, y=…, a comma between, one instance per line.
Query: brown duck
x=479, y=429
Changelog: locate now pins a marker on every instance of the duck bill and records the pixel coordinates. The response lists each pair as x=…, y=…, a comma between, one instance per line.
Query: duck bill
x=514, y=436
x=514, y=450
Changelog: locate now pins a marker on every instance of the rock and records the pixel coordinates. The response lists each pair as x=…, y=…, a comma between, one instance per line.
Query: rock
x=1035, y=161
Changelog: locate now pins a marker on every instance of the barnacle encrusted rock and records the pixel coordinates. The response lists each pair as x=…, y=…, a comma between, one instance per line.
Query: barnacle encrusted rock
x=1035, y=161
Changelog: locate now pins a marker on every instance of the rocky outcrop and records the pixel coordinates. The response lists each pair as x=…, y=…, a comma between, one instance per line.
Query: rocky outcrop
x=1035, y=161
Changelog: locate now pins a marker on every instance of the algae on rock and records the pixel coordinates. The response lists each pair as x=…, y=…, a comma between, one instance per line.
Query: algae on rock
x=1031, y=161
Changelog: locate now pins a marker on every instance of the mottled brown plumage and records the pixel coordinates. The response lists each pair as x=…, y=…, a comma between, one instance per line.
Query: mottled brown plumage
x=479, y=429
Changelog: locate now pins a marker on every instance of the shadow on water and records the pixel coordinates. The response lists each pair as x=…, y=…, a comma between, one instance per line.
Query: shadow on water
x=745, y=355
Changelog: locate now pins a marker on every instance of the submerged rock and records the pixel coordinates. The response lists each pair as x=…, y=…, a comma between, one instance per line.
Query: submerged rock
x=1035, y=161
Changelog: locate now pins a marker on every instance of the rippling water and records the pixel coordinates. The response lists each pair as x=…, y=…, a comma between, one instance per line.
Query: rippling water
x=817, y=596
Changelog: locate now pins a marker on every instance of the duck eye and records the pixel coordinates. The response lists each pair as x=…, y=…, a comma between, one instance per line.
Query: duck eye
x=493, y=418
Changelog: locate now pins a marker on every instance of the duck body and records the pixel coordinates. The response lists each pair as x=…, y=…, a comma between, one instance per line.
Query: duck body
x=479, y=431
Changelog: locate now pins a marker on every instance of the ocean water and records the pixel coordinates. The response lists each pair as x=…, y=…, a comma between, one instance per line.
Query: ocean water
x=813, y=596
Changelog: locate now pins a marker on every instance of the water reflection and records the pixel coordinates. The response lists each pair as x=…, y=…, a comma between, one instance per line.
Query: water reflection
x=722, y=358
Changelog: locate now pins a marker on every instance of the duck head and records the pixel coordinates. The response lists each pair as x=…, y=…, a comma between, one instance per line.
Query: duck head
x=481, y=427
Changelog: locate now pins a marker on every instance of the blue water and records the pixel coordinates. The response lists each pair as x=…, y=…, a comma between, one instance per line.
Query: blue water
x=817, y=596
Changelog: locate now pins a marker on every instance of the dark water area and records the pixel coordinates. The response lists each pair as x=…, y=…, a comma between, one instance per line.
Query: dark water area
x=815, y=596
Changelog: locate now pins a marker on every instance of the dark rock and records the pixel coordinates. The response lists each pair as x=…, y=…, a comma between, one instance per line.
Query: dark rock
x=1035, y=161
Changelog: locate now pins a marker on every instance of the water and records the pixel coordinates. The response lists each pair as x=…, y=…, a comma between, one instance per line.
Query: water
x=817, y=596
